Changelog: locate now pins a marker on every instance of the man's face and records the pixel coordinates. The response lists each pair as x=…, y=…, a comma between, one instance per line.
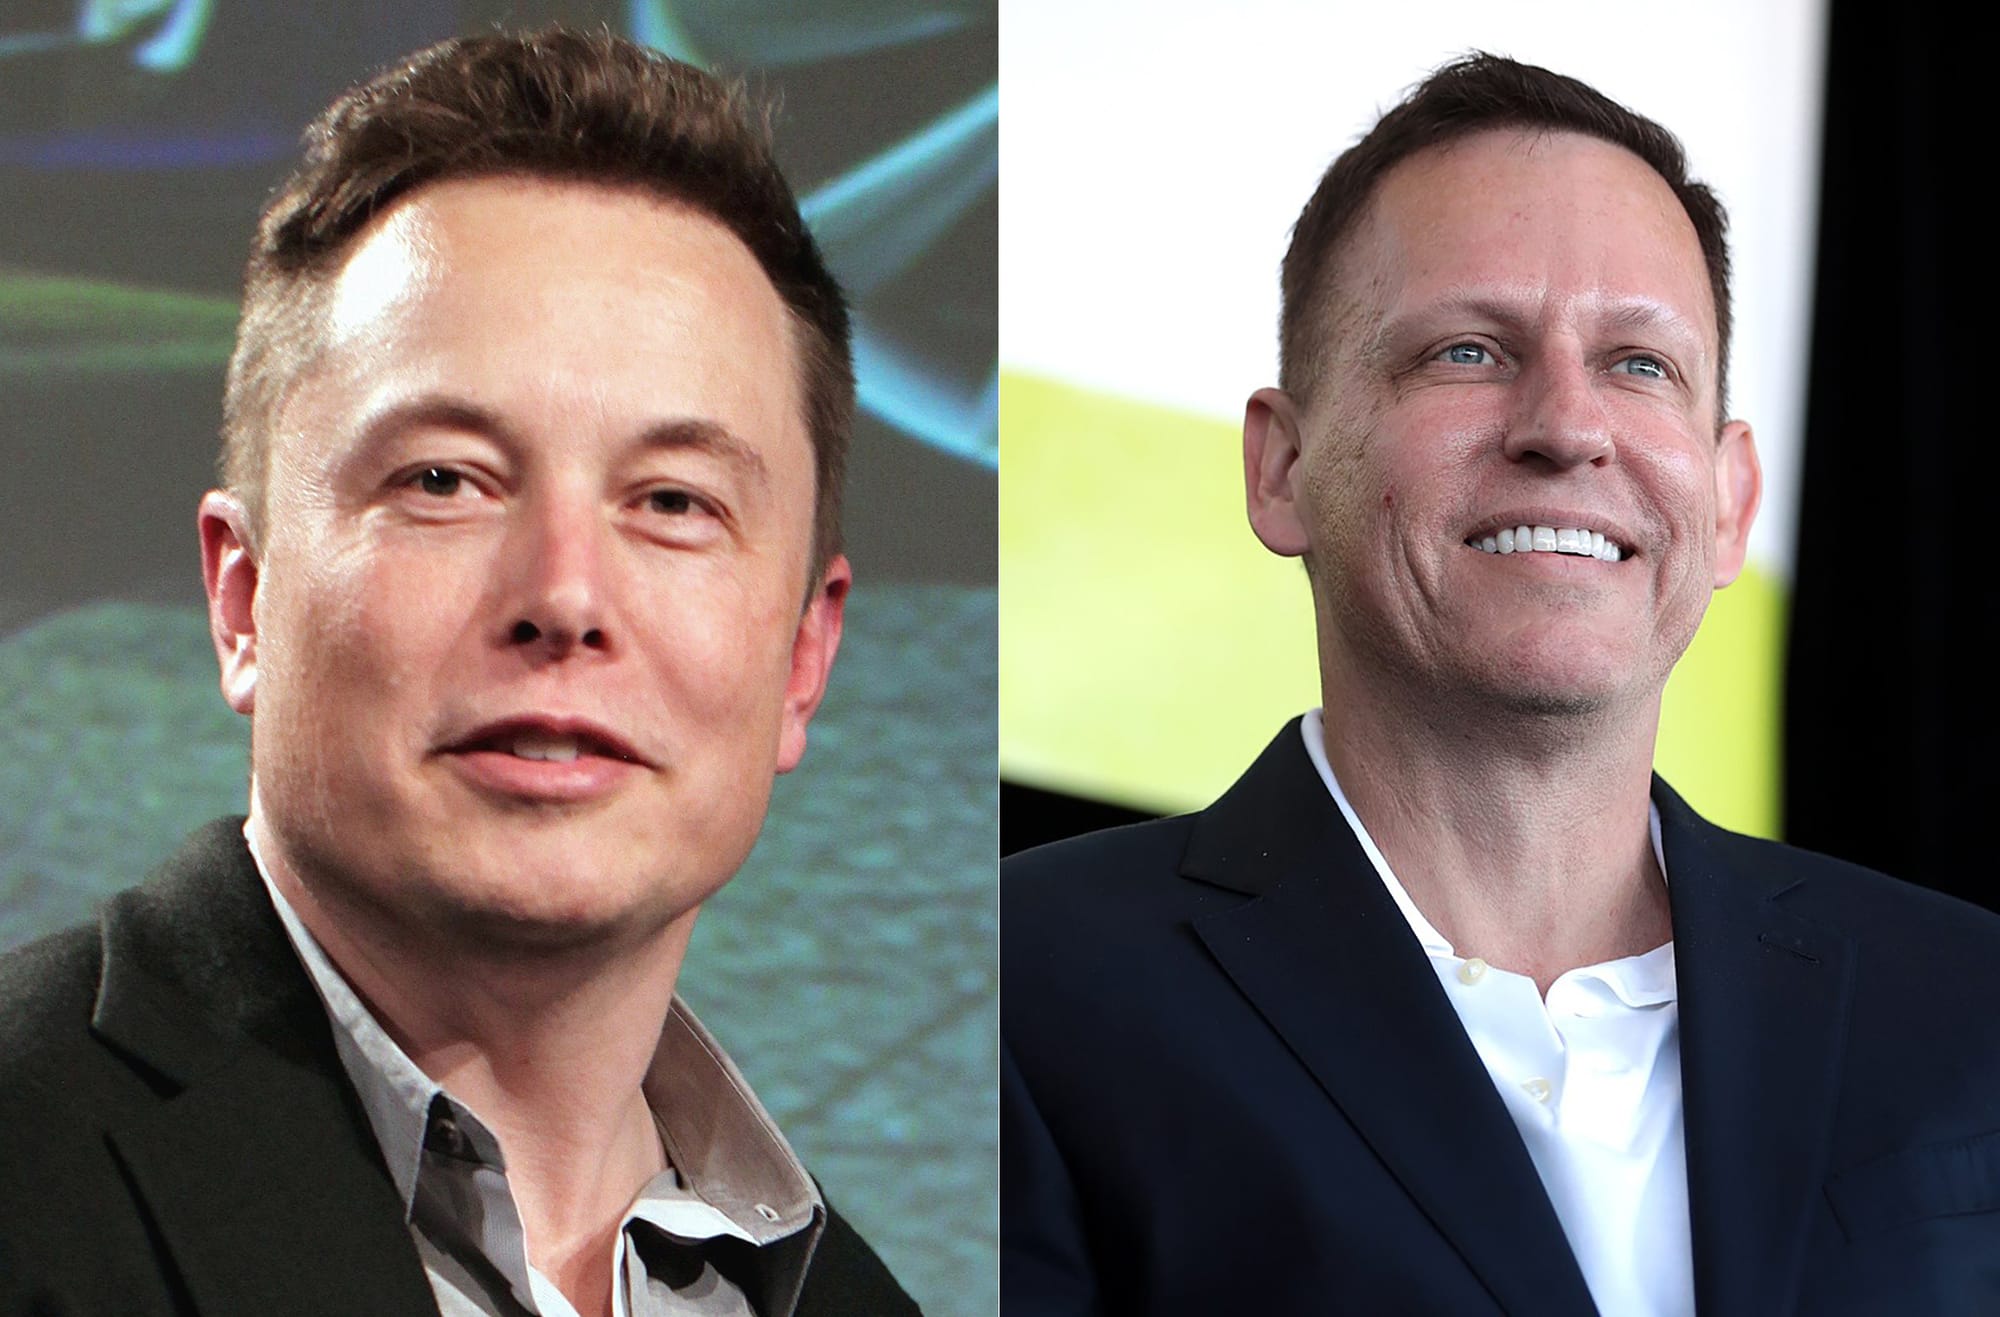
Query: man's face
x=525, y=643
x=1521, y=333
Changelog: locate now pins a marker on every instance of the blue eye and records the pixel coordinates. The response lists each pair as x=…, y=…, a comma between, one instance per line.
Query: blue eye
x=1466, y=354
x=1649, y=367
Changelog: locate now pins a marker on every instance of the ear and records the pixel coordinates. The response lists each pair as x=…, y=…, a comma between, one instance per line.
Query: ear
x=229, y=575
x=1739, y=488
x=813, y=649
x=1270, y=460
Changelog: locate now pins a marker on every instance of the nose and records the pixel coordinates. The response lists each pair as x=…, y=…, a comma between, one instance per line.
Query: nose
x=1559, y=420
x=558, y=597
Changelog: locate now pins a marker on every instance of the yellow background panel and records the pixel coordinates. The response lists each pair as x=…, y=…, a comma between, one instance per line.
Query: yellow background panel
x=1149, y=646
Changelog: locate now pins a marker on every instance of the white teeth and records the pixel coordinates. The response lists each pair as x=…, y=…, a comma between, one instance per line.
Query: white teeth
x=1573, y=540
x=554, y=749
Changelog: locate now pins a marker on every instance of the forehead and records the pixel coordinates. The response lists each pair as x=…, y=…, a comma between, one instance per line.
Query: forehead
x=1560, y=225
x=558, y=302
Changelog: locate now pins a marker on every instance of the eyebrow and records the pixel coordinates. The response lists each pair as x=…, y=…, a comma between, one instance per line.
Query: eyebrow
x=685, y=434
x=705, y=436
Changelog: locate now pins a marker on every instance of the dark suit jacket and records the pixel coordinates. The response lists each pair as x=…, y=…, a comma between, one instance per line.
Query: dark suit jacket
x=177, y=1134
x=1232, y=1083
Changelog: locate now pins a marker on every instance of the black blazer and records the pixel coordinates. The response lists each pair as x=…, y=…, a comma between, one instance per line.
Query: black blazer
x=177, y=1134
x=1232, y=1083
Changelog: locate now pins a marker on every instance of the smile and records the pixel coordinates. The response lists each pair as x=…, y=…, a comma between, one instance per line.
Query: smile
x=1573, y=540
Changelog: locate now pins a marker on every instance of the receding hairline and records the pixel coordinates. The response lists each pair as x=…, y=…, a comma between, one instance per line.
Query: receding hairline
x=556, y=104
x=308, y=293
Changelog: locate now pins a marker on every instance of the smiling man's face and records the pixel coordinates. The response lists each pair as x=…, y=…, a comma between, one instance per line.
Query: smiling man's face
x=523, y=643
x=1520, y=333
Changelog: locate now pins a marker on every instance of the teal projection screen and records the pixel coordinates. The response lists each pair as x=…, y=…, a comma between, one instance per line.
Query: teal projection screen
x=849, y=968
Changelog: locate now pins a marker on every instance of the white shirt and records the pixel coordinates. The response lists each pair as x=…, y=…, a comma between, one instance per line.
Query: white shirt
x=1592, y=1078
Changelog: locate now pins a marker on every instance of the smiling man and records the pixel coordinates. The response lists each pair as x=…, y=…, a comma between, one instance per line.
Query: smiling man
x=1449, y=1005
x=526, y=572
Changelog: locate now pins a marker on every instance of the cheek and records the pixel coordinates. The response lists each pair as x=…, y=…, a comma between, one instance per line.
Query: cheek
x=718, y=645
x=1685, y=481
x=360, y=625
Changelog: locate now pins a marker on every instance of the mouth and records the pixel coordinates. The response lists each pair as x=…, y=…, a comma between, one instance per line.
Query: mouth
x=545, y=761
x=553, y=740
x=1580, y=541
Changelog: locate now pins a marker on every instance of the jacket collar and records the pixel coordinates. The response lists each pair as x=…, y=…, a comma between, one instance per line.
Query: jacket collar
x=1329, y=961
x=1764, y=998
x=256, y=1165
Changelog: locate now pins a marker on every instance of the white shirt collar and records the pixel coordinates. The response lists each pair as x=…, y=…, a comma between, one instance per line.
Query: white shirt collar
x=1642, y=980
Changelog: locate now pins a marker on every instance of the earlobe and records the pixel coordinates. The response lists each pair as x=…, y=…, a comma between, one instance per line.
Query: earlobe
x=229, y=574
x=813, y=648
x=1739, y=489
x=1270, y=459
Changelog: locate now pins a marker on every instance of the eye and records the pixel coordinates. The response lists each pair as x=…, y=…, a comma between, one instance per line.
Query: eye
x=1646, y=367
x=671, y=502
x=1466, y=354
x=439, y=481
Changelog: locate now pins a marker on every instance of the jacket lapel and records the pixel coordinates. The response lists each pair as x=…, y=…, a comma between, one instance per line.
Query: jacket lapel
x=1327, y=959
x=257, y=1165
x=1763, y=1011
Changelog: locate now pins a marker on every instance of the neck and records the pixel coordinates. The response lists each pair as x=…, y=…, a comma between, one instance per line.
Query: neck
x=550, y=1048
x=1523, y=837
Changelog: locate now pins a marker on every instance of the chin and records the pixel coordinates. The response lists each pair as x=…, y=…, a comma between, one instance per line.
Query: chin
x=1553, y=703
x=1566, y=692
x=538, y=910
x=546, y=887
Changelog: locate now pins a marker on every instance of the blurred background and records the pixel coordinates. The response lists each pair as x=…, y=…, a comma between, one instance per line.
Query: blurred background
x=849, y=969
x=1155, y=158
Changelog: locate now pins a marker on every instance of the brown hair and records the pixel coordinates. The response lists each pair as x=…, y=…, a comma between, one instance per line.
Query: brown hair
x=1469, y=95
x=556, y=104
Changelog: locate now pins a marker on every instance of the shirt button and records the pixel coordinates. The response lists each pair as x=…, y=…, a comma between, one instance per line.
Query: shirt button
x=1472, y=971
x=446, y=1137
x=1538, y=1089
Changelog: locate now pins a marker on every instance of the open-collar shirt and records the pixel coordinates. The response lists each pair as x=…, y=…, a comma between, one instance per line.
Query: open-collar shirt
x=1592, y=1079
x=727, y=1229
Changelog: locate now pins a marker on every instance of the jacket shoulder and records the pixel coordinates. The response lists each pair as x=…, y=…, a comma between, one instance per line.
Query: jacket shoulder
x=1097, y=867
x=847, y=1278
x=48, y=989
x=1872, y=907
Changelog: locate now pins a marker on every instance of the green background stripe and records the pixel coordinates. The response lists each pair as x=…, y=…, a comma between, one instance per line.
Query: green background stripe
x=52, y=323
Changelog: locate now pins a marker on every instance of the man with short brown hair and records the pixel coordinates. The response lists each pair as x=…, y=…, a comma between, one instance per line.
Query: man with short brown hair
x=1449, y=1005
x=527, y=573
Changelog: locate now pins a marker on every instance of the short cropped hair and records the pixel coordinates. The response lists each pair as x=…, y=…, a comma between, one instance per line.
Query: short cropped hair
x=557, y=104
x=1474, y=94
